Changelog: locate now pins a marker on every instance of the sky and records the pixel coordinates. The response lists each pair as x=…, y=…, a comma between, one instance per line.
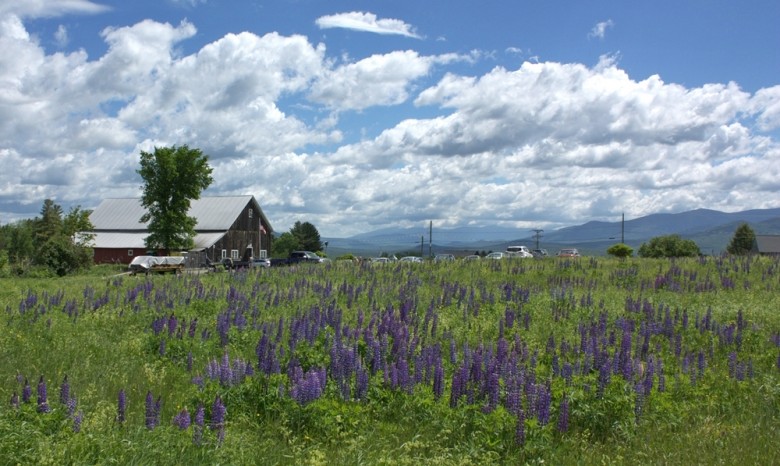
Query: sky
x=358, y=115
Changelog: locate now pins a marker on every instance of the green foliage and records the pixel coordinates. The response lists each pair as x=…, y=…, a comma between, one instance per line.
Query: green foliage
x=669, y=246
x=742, y=241
x=173, y=177
x=620, y=250
x=60, y=244
x=63, y=257
x=307, y=235
x=284, y=245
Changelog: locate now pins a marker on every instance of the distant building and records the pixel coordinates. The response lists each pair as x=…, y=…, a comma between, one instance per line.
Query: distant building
x=229, y=226
x=767, y=245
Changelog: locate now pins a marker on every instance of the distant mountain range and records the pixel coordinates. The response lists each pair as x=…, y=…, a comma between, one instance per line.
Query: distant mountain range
x=710, y=229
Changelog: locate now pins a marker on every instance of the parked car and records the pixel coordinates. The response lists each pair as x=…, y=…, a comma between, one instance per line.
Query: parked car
x=444, y=258
x=472, y=257
x=380, y=260
x=568, y=252
x=497, y=255
x=261, y=262
x=414, y=259
x=539, y=252
x=519, y=251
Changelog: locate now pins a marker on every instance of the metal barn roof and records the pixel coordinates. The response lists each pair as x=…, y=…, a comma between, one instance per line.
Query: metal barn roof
x=768, y=244
x=212, y=213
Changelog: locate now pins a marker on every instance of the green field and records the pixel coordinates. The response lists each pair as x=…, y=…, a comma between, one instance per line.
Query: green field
x=587, y=361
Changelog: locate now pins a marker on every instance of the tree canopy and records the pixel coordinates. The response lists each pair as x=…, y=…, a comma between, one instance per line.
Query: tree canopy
x=742, y=241
x=307, y=235
x=52, y=243
x=669, y=246
x=173, y=177
x=303, y=236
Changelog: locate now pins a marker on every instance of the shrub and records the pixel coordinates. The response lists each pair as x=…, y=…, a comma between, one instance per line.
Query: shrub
x=620, y=250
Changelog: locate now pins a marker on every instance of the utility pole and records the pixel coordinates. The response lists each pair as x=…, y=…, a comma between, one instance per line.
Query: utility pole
x=422, y=245
x=623, y=228
x=537, y=235
x=430, y=239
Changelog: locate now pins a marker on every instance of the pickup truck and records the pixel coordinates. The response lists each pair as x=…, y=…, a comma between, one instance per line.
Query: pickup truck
x=298, y=257
x=234, y=264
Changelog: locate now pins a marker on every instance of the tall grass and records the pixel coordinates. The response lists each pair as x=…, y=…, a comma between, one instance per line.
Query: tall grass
x=583, y=361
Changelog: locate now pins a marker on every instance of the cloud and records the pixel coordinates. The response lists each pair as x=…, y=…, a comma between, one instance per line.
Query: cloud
x=540, y=145
x=600, y=29
x=49, y=8
x=376, y=80
x=61, y=36
x=366, y=22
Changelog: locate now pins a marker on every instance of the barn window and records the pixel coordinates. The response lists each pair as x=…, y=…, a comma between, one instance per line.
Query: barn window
x=234, y=253
x=250, y=213
x=224, y=254
x=129, y=252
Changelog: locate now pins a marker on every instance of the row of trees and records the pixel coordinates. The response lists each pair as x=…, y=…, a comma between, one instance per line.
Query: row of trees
x=676, y=246
x=52, y=243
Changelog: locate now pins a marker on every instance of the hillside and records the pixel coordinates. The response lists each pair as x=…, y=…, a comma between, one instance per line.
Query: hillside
x=710, y=229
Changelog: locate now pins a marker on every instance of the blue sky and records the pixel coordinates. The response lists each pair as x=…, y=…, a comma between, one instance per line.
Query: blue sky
x=360, y=115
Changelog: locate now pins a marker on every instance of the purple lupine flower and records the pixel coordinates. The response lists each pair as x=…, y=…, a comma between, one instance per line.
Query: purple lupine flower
x=26, y=391
x=438, y=379
x=604, y=378
x=71, y=405
x=520, y=428
x=162, y=347
x=43, y=404
x=218, y=413
x=172, y=323
x=15, y=400
x=200, y=420
x=563, y=415
x=150, y=414
x=64, y=391
x=543, y=400
x=701, y=363
x=77, y=421
x=121, y=406
x=225, y=372
x=182, y=419
x=732, y=364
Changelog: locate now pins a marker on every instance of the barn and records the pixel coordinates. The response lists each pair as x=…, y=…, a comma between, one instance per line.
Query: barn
x=767, y=245
x=227, y=226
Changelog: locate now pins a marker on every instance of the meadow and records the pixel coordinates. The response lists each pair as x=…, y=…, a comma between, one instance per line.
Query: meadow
x=579, y=361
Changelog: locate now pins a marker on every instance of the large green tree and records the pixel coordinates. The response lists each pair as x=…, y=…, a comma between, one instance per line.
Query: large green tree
x=173, y=177
x=669, y=246
x=307, y=235
x=742, y=241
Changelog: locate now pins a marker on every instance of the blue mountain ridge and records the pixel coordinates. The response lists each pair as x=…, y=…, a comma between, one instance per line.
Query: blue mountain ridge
x=711, y=229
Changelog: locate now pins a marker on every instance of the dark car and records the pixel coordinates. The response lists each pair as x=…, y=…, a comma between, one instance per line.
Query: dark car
x=539, y=252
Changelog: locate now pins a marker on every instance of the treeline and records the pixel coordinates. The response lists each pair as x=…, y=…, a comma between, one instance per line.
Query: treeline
x=53, y=243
